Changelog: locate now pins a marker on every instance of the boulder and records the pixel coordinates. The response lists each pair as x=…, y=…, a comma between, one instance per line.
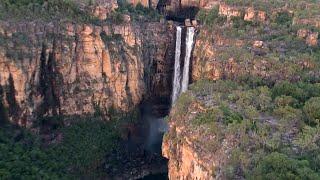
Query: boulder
x=262, y=16
x=258, y=44
x=312, y=39
x=229, y=11
x=249, y=15
x=303, y=33
x=103, y=8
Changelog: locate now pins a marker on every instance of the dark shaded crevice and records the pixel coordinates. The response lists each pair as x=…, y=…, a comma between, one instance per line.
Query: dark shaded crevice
x=3, y=110
x=182, y=14
x=14, y=109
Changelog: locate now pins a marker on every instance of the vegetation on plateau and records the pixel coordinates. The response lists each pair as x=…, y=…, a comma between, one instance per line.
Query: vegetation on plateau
x=277, y=128
x=269, y=120
x=52, y=10
x=71, y=10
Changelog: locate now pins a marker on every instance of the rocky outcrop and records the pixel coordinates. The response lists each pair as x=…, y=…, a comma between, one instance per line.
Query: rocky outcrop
x=251, y=15
x=315, y=22
x=229, y=11
x=100, y=8
x=146, y=3
x=185, y=161
x=189, y=165
x=310, y=37
x=193, y=152
x=80, y=69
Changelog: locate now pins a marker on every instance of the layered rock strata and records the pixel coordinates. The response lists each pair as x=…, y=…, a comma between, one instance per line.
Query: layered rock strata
x=74, y=69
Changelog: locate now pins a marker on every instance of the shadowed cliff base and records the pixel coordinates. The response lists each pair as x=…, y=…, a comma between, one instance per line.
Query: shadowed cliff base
x=182, y=14
x=80, y=147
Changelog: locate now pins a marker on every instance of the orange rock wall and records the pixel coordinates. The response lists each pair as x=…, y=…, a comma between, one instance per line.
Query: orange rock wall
x=92, y=73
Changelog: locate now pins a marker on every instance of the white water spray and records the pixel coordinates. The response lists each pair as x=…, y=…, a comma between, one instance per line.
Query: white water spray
x=186, y=68
x=177, y=73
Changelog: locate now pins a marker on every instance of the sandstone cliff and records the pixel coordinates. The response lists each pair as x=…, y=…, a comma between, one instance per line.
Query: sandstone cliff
x=92, y=67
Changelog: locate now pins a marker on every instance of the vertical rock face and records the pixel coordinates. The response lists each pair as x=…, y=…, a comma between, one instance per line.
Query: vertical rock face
x=185, y=161
x=159, y=61
x=79, y=69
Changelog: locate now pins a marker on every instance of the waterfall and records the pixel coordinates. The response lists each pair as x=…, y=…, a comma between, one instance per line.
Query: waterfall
x=177, y=73
x=189, y=46
x=178, y=85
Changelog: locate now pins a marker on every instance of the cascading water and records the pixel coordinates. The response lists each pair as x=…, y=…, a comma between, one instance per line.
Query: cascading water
x=189, y=46
x=177, y=73
x=157, y=125
x=178, y=85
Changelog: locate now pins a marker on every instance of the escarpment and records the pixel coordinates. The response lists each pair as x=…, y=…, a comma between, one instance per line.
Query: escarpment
x=247, y=74
x=82, y=67
x=244, y=46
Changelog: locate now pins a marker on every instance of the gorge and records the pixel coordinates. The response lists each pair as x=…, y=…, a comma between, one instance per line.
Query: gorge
x=148, y=89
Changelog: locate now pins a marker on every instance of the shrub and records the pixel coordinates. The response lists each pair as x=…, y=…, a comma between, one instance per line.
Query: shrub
x=240, y=23
x=288, y=89
x=280, y=166
x=203, y=87
x=139, y=12
x=312, y=110
x=211, y=17
x=308, y=140
x=246, y=98
x=183, y=103
x=283, y=18
x=311, y=90
x=263, y=100
x=116, y=18
x=250, y=112
x=230, y=116
x=252, y=81
x=287, y=113
x=282, y=101
x=212, y=115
